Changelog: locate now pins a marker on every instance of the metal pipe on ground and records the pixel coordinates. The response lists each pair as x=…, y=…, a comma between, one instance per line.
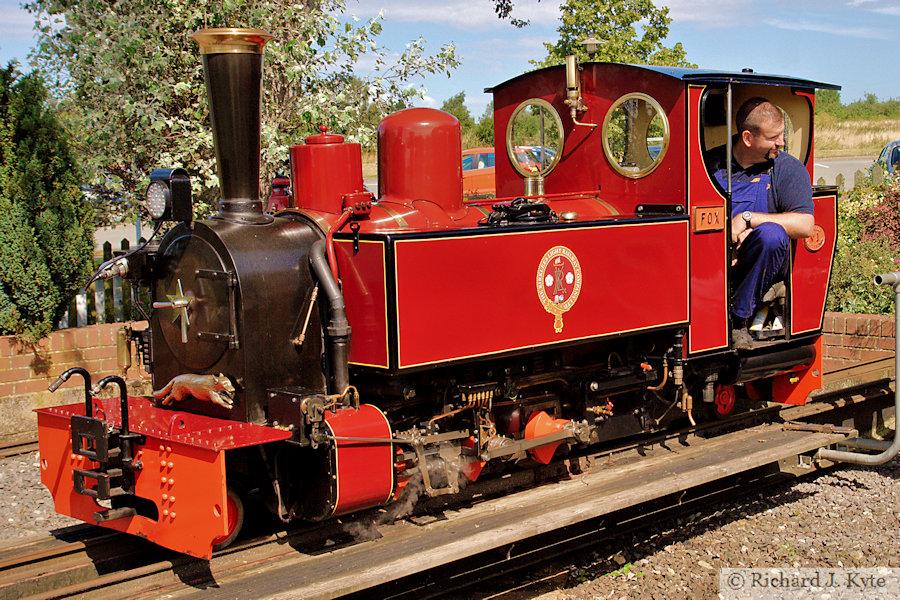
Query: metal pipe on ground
x=889, y=452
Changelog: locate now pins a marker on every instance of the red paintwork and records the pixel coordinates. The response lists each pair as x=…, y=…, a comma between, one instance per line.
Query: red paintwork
x=364, y=282
x=541, y=424
x=198, y=431
x=810, y=271
x=364, y=471
x=281, y=198
x=183, y=470
x=419, y=153
x=709, y=249
x=725, y=398
x=324, y=170
x=583, y=165
x=795, y=386
x=442, y=284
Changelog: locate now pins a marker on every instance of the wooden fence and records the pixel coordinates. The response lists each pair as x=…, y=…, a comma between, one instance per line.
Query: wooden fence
x=878, y=176
x=109, y=301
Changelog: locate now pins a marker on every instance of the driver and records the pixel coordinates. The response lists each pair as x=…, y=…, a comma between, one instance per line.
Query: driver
x=771, y=203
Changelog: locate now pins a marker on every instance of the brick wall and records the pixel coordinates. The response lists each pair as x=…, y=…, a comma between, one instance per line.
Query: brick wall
x=24, y=369
x=25, y=373
x=852, y=338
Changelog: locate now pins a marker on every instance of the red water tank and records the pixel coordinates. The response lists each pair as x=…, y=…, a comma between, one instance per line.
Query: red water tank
x=324, y=170
x=420, y=158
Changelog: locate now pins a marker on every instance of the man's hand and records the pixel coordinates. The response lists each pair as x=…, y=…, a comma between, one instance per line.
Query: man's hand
x=739, y=230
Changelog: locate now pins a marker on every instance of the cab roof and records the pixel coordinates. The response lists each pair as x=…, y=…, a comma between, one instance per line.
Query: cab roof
x=708, y=76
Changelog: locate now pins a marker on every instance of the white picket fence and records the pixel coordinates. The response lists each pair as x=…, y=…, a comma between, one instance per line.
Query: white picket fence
x=108, y=301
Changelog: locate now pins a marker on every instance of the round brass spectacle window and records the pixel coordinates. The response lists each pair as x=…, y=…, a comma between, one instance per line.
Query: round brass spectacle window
x=635, y=135
x=534, y=138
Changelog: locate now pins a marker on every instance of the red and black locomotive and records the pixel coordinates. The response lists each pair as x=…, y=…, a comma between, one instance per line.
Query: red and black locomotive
x=324, y=356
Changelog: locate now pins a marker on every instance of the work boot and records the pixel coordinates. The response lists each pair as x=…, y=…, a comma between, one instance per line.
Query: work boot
x=741, y=339
x=740, y=336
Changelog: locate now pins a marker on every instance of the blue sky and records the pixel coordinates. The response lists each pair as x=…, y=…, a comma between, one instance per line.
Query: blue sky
x=846, y=42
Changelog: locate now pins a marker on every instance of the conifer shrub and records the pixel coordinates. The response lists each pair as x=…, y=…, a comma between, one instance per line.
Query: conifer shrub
x=46, y=225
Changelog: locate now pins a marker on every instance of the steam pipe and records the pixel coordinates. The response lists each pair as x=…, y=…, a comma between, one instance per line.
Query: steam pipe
x=890, y=452
x=338, y=329
x=123, y=396
x=88, y=402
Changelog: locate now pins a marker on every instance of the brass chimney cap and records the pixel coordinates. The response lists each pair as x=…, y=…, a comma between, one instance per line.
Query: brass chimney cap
x=231, y=40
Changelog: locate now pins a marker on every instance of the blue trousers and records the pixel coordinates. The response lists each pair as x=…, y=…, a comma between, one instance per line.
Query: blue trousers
x=762, y=260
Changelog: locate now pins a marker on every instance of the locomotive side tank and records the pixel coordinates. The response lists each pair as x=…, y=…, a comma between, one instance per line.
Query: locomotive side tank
x=319, y=359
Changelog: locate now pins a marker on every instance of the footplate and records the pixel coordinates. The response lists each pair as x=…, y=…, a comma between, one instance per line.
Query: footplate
x=178, y=497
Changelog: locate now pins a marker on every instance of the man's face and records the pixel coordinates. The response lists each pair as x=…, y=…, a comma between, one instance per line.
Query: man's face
x=765, y=144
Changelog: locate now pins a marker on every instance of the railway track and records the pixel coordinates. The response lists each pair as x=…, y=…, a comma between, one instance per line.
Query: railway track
x=483, y=533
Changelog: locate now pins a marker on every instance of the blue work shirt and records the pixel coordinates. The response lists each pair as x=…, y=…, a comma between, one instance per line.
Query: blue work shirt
x=788, y=191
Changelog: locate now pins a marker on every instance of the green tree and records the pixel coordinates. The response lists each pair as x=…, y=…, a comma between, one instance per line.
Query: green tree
x=484, y=129
x=46, y=227
x=828, y=101
x=613, y=22
x=456, y=106
x=132, y=82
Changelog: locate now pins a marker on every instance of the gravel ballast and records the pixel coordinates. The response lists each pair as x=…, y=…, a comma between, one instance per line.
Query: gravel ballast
x=848, y=517
x=845, y=517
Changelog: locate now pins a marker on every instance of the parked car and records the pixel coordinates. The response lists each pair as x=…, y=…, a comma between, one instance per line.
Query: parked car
x=478, y=172
x=890, y=156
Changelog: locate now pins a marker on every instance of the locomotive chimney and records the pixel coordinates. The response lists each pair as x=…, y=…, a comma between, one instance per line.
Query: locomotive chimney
x=232, y=64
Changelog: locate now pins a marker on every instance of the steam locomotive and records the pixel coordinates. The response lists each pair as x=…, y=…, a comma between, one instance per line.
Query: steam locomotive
x=323, y=357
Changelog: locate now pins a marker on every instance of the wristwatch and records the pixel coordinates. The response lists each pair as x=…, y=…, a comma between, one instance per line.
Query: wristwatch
x=747, y=215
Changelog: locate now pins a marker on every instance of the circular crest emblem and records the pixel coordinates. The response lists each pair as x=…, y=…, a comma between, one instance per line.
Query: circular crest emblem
x=558, y=283
x=816, y=241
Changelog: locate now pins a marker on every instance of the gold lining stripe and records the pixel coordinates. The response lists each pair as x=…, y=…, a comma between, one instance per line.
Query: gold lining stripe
x=398, y=218
x=696, y=132
x=387, y=333
x=684, y=223
x=337, y=478
x=830, y=269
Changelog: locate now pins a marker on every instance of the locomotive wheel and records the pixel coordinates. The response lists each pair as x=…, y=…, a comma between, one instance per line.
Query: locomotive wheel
x=234, y=513
x=725, y=400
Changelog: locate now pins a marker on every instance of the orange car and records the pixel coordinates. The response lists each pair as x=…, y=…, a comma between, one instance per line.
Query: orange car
x=478, y=172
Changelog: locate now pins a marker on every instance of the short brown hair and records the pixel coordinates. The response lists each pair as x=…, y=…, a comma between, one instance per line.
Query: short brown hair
x=754, y=112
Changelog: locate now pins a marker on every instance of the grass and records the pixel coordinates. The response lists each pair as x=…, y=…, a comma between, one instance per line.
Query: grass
x=836, y=139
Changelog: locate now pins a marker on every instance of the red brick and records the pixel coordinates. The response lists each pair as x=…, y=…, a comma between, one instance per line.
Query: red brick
x=885, y=344
x=32, y=385
x=6, y=389
x=839, y=352
x=109, y=366
x=85, y=337
x=97, y=353
x=887, y=328
x=873, y=354
x=9, y=345
x=63, y=340
x=832, y=340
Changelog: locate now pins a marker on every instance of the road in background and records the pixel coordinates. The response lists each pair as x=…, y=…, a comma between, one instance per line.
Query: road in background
x=831, y=167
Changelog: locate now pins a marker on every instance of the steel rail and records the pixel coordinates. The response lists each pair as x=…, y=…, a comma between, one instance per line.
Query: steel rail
x=163, y=572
